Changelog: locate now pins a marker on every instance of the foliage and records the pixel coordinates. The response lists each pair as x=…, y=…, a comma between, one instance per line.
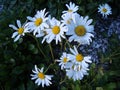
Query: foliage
x=18, y=59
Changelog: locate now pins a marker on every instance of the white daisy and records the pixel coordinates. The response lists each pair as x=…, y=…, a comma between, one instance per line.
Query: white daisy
x=71, y=8
x=38, y=23
x=20, y=30
x=80, y=30
x=68, y=18
x=78, y=58
x=55, y=31
x=40, y=77
x=105, y=10
x=64, y=61
x=77, y=72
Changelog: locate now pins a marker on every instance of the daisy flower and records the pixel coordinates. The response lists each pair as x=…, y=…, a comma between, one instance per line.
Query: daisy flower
x=64, y=61
x=80, y=30
x=71, y=8
x=38, y=23
x=55, y=31
x=105, y=10
x=40, y=77
x=76, y=72
x=67, y=19
x=78, y=58
x=19, y=31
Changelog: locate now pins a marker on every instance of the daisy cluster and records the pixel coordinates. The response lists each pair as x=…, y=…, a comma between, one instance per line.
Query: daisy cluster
x=73, y=28
x=81, y=31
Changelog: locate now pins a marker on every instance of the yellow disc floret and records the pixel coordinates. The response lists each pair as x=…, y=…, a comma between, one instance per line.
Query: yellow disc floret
x=56, y=29
x=65, y=60
x=70, y=10
x=79, y=57
x=104, y=10
x=80, y=30
x=41, y=75
x=38, y=21
x=20, y=30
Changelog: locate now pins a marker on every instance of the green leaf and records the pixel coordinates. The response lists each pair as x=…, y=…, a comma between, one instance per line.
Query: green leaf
x=110, y=86
x=30, y=85
x=17, y=70
x=63, y=88
x=31, y=46
x=99, y=88
x=77, y=87
x=21, y=87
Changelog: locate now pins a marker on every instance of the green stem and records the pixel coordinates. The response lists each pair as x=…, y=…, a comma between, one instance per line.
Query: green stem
x=63, y=80
x=68, y=43
x=78, y=45
x=114, y=54
x=61, y=46
x=49, y=67
x=51, y=51
x=37, y=44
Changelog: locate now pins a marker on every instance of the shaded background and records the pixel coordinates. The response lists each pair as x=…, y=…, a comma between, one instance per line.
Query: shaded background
x=18, y=59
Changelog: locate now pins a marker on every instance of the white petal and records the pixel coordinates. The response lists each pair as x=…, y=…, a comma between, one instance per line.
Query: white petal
x=39, y=82
x=75, y=50
x=13, y=27
x=16, y=38
x=72, y=51
x=43, y=82
x=36, y=81
x=14, y=34
x=19, y=23
x=30, y=18
x=89, y=22
x=42, y=69
x=48, y=77
x=36, y=69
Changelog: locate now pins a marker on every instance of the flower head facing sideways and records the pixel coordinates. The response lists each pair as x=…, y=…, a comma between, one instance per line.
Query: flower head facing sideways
x=71, y=8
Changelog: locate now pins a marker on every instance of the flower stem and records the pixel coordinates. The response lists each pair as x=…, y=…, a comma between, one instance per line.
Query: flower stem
x=49, y=67
x=67, y=43
x=63, y=80
x=37, y=44
x=51, y=51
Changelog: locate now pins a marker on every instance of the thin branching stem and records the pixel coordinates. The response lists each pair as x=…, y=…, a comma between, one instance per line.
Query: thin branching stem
x=51, y=51
x=38, y=44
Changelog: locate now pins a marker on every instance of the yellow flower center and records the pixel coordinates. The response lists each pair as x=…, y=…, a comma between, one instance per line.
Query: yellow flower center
x=65, y=60
x=56, y=29
x=20, y=30
x=104, y=10
x=79, y=57
x=80, y=30
x=41, y=75
x=70, y=10
x=38, y=21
